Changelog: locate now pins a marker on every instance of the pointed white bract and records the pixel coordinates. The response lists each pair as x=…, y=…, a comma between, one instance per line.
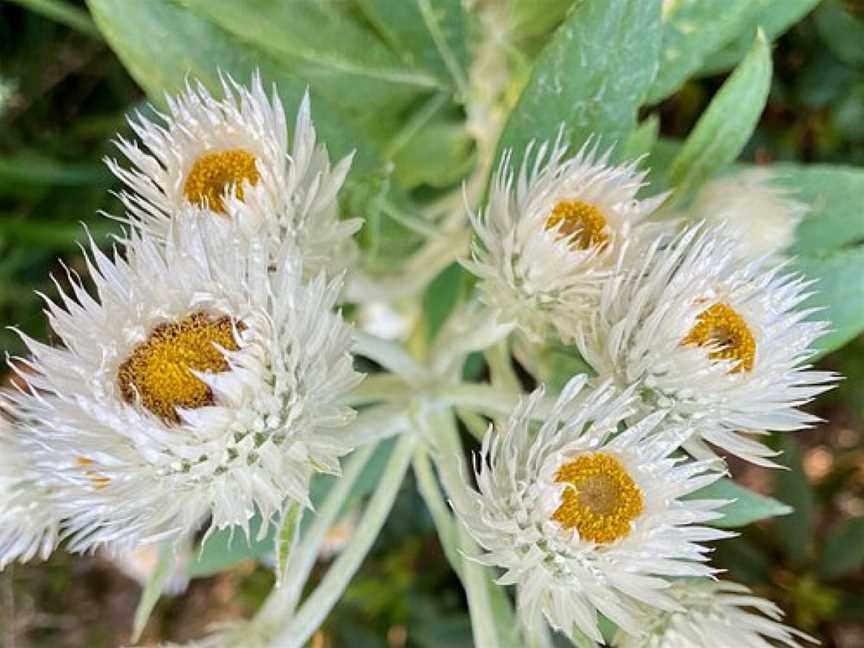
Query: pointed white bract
x=760, y=216
x=723, y=345
x=714, y=614
x=568, y=563
x=202, y=380
x=286, y=193
x=29, y=522
x=550, y=235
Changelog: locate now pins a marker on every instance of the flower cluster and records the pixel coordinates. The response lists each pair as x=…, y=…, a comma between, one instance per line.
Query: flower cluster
x=201, y=379
x=698, y=345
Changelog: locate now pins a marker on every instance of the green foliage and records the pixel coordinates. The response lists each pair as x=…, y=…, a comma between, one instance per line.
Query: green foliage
x=726, y=126
x=441, y=297
x=225, y=548
x=773, y=17
x=427, y=35
x=287, y=537
x=842, y=32
x=791, y=486
x=163, y=45
x=693, y=29
x=591, y=78
x=832, y=193
x=838, y=292
x=745, y=506
x=153, y=589
x=315, y=42
x=844, y=550
x=391, y=80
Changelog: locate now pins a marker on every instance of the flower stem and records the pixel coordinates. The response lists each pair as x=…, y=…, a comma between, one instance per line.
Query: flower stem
x=315, y=609
x=283, y=600
x=389, y=355
x=491, y=617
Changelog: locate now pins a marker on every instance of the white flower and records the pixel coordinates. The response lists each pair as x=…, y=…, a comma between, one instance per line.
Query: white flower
x=753, y=211
x=720, y=343
x=210, y=153
x=585, y=519
x=549, y=237
x=203, y=380
x=28, y=520
x=713, y=614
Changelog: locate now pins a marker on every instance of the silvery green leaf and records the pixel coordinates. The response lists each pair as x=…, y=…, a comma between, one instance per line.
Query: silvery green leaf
x=746, y=506
x=591, y=77
x=728, y=122
x=153, y=589
x=693, y=29
x=287, y=537
x=774, y=17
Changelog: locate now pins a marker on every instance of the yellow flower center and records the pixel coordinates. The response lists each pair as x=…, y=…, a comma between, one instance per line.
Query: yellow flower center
x=583, y=219
x=722, y=327
x=601, y=499
x=159, y=371
x=213, y=173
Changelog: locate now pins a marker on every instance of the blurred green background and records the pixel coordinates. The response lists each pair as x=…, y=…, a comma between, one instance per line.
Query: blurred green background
x=64, y=95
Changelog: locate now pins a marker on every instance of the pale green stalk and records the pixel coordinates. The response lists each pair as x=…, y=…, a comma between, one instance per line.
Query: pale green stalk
x=478, y=398
x=314, y=610
x=377, y=388
x=476, y=578
x=445, y=525
x=377, y=423
x=501, y=367
x=389, y=355
x=283, y=600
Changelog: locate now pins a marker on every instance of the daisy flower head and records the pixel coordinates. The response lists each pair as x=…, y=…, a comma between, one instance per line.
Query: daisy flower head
x=29, y=525
x=202, y=380
x=210, y=153
x=714, y=614
x=720, y=343
x=760, y=216
x=549, y=236
x=585, y=513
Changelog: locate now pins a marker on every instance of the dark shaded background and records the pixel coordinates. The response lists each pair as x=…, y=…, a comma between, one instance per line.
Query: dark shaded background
x=66, y=95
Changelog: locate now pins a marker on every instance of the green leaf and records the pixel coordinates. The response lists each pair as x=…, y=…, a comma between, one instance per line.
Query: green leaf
x=795, y=532
x=162, y=45
x=844, y=551
x=64, y=13
x=642, y=140
x=592, y=77
x=322, y=46
x=287, y=537
x=34, y=169
x=841, y=32
x=440, y=155
x=693, y=29
x=428, y=35
x=838, y=291
x=153, y=589
x=774, y=17
x=746, y=507
x=727, y=123
x=441, y=297
x=227, y=547
x=833, y=194
x=532, y=18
